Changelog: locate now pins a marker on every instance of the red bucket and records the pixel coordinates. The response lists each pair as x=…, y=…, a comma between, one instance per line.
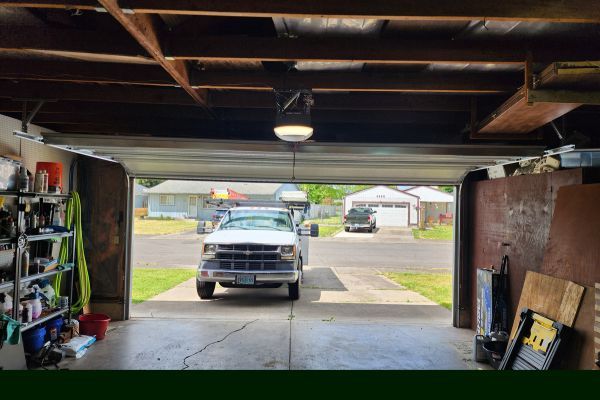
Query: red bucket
x=94, y=325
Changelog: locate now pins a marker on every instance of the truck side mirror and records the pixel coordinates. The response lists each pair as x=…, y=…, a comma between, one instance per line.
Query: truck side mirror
x=314, y=230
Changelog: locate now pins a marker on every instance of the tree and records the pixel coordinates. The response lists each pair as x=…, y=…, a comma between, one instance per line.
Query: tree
x=447, y=189
x=317, y=192
x=149, y=182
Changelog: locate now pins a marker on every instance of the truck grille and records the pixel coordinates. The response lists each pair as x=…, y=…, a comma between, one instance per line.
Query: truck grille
x=247, y=257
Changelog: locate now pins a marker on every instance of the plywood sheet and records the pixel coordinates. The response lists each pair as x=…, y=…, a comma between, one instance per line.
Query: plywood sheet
x=555, y=298
x=516, y=115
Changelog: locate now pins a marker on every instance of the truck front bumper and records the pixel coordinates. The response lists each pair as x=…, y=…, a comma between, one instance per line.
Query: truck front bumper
x=209, y=271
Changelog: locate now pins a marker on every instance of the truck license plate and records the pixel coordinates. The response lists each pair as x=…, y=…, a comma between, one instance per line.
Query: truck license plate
x=244, y=279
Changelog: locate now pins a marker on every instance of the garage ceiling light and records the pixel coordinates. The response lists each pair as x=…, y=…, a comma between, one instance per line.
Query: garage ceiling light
x=292, y=122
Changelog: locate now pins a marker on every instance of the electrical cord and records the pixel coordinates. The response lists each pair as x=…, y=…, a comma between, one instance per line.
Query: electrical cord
x=73, y=217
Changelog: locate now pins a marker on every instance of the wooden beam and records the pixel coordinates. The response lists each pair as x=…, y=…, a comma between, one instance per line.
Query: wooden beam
x=581, y=11
x=124, y=116
x=83, y=72
x=145, y=30
x=346, y=101
x=92, y=92
x=359, y=82
x=77, y=44
x=371, y=50
x=119, y=47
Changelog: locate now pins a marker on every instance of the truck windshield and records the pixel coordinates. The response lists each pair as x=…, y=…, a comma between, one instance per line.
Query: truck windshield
x=359, y=210
x=257, y=219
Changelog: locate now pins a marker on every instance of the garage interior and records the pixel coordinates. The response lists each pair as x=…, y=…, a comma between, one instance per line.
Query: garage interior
x=499, y=99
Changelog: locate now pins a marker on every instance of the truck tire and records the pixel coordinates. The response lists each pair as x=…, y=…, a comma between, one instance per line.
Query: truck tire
x=205, y=289
x=347, y=229
x=370, y=230
x=294, y=290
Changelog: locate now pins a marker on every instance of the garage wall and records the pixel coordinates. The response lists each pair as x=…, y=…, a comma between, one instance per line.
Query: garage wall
x=30, y=151
x=384, y=194
x=513, y=216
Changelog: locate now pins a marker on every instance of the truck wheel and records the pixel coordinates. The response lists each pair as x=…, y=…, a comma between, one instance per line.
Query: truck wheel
x=347, y=229
x=370, y=230
x=294, y=290
x=205, y=289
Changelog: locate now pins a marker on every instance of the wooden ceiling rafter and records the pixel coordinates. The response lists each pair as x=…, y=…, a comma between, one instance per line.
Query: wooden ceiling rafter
x=578, y=11
x=144, y=29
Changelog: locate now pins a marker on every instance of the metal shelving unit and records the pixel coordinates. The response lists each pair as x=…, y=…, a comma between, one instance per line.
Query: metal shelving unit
x=22, y=241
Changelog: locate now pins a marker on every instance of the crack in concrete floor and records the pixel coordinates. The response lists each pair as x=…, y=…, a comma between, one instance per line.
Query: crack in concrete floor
x=213, y=343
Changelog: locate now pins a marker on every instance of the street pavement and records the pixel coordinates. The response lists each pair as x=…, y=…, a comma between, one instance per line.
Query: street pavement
x=384, y=250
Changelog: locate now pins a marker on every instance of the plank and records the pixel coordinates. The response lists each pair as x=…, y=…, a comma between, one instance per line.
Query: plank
x=580, y=11
x=557, y=299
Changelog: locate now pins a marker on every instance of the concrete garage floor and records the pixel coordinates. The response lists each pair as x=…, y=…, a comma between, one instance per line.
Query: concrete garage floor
x=350, y=318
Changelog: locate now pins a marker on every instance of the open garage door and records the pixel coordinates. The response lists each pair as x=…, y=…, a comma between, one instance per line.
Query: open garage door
x=279, y=161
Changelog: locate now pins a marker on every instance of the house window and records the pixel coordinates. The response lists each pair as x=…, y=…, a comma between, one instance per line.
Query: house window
x=167, y=200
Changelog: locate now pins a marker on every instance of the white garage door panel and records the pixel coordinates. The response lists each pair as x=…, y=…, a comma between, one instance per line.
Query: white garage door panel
x=272, y=161
x=392, y=215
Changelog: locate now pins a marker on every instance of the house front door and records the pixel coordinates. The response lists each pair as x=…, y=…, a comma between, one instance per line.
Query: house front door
x=193, y=206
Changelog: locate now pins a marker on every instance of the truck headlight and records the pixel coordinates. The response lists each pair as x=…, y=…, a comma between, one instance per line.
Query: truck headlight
x=288, y=252
x=209, y=251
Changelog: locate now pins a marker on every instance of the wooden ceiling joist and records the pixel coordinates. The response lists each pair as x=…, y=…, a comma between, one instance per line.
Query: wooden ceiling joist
x=77, y=44
x=370, y=50
x=81, y=72
x=115, y=47
x=89, y=92
x=347, y=101
x=145, y=30
x=581, y=11
x=112, y=93
x=359, y=82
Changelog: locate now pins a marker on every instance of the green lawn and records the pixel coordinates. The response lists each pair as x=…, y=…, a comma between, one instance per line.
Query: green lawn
x=436, y=287
x=148, y=282
x=329, y=230
x=335, y=220
x=162, y=226
x=437, y=232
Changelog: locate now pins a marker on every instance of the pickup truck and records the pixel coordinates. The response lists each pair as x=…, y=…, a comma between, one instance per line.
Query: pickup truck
x=360, y=218
x=254, y=247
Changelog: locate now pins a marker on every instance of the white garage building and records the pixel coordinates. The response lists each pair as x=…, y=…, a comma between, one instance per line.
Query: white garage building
x=394, y=207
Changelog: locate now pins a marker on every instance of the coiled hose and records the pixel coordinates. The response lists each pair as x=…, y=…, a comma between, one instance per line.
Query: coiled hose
x=73, y=217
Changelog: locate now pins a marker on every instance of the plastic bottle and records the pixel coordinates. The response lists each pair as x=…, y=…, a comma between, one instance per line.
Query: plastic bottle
x=27, y=314
x=46, y=177
x=23, y=180
x=39, y=182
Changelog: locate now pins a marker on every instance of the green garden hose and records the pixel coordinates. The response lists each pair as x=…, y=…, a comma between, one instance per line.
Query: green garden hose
x=73, y=216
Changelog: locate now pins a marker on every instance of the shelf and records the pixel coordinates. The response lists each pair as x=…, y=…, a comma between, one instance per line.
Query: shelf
x=67, y=268
x=9, y=285
x=28, y=325
x=7, y=240
x=34, y=195
x=47, y=236
x=9, y=193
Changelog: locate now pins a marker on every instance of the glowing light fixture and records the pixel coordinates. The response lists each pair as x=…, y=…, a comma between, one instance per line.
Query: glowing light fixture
x=292, y=122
